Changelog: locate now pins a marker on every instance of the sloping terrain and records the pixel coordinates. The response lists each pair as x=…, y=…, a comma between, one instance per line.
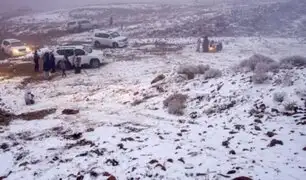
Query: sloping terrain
x=230, y=126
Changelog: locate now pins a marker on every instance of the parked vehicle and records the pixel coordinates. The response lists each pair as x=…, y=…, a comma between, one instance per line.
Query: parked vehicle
x=86, y=54
x=109, y=39
x=80, y=25
x=14, y=47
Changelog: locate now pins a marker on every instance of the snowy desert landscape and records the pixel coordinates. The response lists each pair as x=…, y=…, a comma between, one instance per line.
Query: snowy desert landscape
x=158, y=109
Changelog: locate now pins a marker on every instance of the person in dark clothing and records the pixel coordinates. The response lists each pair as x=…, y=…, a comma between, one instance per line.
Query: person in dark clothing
x=205, y=44
x=36, y=59
x=46, y=65
x=219, y=46
x=77, y=65
x=52, y=62
x=63, y=67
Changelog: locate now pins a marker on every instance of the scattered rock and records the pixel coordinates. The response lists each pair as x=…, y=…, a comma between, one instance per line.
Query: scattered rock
x=112, y=162
x=275, y=142
x=274, y=110
x=182, y=160
x=170, y=160
x=74, y=136
x=161, y=166
x=153, y=161
x=304, y=149
x=257, y=128
x=80, y=177
x=258, y=121
x=158, y=78
x=106, y=174
x=232, y=152
x=270, y=134
x=70, y=111
x=82, y=142
x=121, y=146
x=127, y=139
x=93, y=174
x=231, y=172
x=242, y=178
x=4, y=146
x=193, y=115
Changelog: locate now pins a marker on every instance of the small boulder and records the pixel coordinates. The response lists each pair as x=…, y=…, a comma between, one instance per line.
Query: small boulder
x=270, y=134
x=158, y=78
x=275, y=142
x=70, y=111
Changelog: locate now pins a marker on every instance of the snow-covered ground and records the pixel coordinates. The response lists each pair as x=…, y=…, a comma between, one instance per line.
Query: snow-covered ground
x=114, y=135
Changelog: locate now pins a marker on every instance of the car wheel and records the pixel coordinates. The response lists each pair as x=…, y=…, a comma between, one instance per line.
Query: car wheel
x=95, y=63
x=97, y=44
x=115, y=45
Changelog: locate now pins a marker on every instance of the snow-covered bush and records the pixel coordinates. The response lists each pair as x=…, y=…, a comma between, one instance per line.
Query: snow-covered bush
x=263, y=67
x=296, y=61
x=260, y=78
x=279, y=96
x=254, y=60
x=212, y=73
x=203, y=68
x=287, y=79
x=189, y=70
x=175, y=104
x=290, y=106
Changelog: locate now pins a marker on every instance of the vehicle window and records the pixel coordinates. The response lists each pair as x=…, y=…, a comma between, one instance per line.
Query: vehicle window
x=69, y=52
x=115, y=34
x=61, y=52
x=71, y=23
x=5, y=43
x=103, y=35
x=79, y=52
x=17, y=44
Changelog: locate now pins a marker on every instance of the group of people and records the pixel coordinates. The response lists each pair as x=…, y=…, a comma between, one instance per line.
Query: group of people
x=49, y=65
x=208, y=46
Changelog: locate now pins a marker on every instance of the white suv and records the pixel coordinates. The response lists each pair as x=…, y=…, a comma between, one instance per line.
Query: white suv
x=109, y=39
x=14, y=47
x=88, y=57
x=80, y=25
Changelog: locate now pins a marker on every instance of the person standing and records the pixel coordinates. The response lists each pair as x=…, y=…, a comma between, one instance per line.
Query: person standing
x=199, y=45
x=29, y=98
x=205, y=44
x=52, y=62
x=36, y=61
x=46, y=65
x=63, y=67
x=77, y=65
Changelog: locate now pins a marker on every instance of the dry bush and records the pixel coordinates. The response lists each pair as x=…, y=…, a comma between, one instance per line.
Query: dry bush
x=279, y=96
x=212, y=73
x=203, y=68
x=175, y=104
x=254, y=60
x=295, y=61
x=290, y=106
x=260, y=78
x=287, y=79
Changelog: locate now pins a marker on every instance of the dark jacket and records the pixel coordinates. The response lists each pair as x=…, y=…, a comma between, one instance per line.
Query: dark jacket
x=205, y=44
x=47, y=63
x=36, y=57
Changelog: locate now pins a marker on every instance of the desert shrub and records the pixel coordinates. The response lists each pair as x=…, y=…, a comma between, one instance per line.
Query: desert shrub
x=290, y=106
x=279, y=96
x=260, y=78
x=274, y=67
x=212, y=73
x=296, y=61
x=175, y=104
x=252, y=62
x=189, y=70
x=203, y=68
x=287, y=79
